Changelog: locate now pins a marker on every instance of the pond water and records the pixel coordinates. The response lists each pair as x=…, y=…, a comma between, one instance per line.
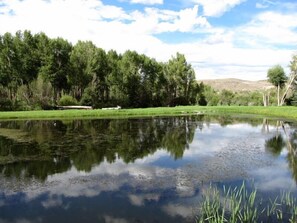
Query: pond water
x=137, y=170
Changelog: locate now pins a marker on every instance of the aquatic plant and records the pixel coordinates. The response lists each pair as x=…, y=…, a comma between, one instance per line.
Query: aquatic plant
x=239, y=204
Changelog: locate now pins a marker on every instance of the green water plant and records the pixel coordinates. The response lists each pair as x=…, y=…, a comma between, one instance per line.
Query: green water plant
x=240, y=204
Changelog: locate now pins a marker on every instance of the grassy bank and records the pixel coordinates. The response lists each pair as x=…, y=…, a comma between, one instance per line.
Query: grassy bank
x=280, y=112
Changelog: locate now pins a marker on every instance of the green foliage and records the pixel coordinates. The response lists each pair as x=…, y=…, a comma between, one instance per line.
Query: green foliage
x=87, y=97
x=275, y=144
x=83, y=61
x=180, y=78
x=242, y=205
x=226, y=97
x=6, y=104
x=56, y=68
x=35, y=71
x=276, y=75
x=66, y=100
x=293, y=64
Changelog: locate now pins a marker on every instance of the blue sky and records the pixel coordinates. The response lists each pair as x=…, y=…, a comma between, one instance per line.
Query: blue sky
x=220, y=38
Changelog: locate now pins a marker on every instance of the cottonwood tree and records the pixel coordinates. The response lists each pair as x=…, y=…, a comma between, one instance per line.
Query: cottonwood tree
x=292, y=82
x=276, y=75
x=180, y=78
x=83, y=63
x=29, y=61
x=56, y=66
x=9, y=65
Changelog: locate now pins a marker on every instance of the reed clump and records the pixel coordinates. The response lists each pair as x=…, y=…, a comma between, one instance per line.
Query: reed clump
x=238, y=204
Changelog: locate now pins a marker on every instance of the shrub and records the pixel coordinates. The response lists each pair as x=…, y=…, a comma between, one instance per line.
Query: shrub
x=87, y=97
x=6, y=104
x=66, y=100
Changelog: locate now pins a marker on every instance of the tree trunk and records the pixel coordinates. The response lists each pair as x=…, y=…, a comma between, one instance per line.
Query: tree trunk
x=293, y=77
x=264, y=100
x=278, y=99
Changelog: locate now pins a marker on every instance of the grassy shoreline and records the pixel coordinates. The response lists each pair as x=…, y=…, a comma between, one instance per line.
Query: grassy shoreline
x=273, y=111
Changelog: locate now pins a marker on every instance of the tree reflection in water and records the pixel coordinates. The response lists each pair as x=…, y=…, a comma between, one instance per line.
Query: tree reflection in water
x=284, y=138
x=54, y=146
x=42, y=148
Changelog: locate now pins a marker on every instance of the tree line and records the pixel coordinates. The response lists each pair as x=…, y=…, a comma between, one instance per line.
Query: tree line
x=38, y=72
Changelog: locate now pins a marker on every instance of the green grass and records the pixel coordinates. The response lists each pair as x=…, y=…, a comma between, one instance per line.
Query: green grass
x=242, y=205
x=280, y=112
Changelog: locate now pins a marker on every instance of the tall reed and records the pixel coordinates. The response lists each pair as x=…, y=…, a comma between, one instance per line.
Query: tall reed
x=239, y=204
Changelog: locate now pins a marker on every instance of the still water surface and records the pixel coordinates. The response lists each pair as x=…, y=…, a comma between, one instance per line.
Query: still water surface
x=137, y=170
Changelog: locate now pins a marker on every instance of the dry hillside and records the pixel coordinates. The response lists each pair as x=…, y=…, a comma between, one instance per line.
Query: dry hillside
x=237, y=84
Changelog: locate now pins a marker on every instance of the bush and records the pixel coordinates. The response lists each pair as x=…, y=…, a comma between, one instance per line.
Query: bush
x=6, y=104
x=87, y=97
x=67, y=100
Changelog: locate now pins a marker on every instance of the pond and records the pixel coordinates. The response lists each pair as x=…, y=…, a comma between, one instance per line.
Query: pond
x=137, y=170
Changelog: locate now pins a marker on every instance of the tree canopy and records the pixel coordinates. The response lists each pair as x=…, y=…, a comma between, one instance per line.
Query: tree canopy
x=51, y=68
x=276, y=75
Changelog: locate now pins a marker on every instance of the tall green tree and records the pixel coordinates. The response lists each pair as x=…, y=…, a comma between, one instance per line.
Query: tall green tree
x=180, y=79
x=130, y=67
x=276, y=75
x=290, y=93
x=100, y=83
x=83, y=62
x=9, y=65
x=149, y=89
x=29, y=61
x=56, y=68
x=115, y=78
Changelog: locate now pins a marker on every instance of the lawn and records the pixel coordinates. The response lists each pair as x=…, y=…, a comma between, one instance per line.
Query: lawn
x=279, y=112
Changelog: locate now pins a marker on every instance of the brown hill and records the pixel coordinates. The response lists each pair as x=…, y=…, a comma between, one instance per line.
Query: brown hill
x=236, y=85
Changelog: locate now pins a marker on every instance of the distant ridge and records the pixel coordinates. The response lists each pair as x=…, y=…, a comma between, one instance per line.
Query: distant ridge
x=237, y=85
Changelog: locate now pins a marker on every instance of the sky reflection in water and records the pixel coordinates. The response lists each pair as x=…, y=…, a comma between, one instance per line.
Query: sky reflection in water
x=136, y=170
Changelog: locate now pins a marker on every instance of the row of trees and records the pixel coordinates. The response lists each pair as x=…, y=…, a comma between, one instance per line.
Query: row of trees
x=37, y=71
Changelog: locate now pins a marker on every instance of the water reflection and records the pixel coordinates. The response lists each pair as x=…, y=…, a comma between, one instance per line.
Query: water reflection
x=49, y=147
x=285, y=140
x=135, y=170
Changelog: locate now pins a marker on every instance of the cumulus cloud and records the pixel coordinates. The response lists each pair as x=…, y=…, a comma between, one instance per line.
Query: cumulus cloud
x=71, y=19
x=52, y=202
x=217, y=7
x=147, y=2
x=261, y=6
x=139, y=200
x=111, y=219
x=173, y=210
x=245, y=52
x=265, y=4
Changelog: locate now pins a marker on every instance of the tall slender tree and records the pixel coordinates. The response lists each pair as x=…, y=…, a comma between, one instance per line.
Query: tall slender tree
x=276, y=75
x=83, y=63
x=180, y=78
x=9, y=65
x=56, y=66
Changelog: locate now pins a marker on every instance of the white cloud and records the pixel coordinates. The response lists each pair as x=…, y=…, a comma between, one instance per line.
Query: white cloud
x=244, y=52
x=110, y=219
x=139, y=199
x=272, y=27
x=261, y=6
x=147, y=2
x=265, y=4
x=217, y=7
x=52, y=202
x=173, y=210
x=159, y=21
